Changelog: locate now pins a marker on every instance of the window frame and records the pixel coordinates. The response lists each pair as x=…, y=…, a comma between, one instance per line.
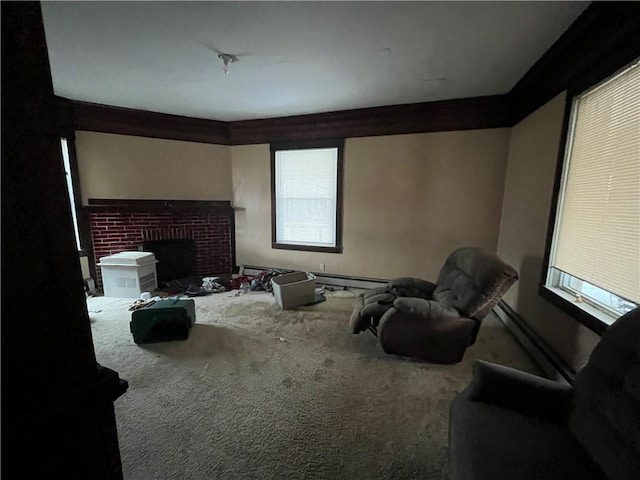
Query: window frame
x=306, y=145
x=71, y=182
x=86, y=245
x=581, y=288
x=588, y=313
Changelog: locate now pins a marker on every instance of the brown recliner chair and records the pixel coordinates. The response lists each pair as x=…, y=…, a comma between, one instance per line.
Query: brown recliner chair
x=435, y=321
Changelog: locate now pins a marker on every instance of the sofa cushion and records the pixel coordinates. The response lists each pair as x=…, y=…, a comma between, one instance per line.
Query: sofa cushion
x=488, y=442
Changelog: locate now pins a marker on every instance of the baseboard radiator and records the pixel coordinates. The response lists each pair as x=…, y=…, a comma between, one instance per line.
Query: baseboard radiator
x=550, y=361
x=323, y=278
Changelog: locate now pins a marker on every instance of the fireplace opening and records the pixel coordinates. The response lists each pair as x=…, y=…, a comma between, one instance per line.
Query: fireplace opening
x=177, y=259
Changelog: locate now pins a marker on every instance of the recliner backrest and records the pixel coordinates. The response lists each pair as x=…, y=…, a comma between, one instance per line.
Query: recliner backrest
x=606, y=407
x=473, y=281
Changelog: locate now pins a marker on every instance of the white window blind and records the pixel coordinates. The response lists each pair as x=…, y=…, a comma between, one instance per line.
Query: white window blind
x=306, y=183
x=597, y=236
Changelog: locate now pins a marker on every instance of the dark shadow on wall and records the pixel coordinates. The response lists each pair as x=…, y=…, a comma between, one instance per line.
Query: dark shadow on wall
x=554, y=332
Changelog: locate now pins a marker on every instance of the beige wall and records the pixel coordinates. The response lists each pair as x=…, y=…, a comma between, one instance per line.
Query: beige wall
x=533, y=153
x=409, y=200
x=128, y=167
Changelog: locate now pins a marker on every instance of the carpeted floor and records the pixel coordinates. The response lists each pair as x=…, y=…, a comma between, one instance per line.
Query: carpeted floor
x=261, y=393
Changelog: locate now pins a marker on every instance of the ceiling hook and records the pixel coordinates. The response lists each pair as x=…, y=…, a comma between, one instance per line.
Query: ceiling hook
x=227, y=58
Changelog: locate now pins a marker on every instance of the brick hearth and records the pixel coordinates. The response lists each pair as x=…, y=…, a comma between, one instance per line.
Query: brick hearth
x=122, y=225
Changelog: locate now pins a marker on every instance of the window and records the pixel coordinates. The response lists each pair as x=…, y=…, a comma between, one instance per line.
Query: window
x=306, y=196
x=72, y=200
x=594, y=260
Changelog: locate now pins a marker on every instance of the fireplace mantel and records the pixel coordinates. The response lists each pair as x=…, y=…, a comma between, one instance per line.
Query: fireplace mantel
x=102, y=204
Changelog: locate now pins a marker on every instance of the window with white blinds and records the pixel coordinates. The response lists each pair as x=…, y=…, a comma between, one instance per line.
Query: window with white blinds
x=306, y=197
x=596, y=245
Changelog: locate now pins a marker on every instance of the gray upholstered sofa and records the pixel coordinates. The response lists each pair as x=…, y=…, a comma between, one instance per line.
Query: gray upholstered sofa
x=508, y=424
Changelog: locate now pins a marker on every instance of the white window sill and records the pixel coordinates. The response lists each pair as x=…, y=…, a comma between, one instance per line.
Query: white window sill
x=585, y=306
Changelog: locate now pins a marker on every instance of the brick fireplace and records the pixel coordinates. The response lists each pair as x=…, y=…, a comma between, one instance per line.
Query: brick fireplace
x=124, y=225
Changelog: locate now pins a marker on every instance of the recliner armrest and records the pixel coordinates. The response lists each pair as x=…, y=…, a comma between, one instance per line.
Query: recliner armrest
x=412, y=287
x=519, y=391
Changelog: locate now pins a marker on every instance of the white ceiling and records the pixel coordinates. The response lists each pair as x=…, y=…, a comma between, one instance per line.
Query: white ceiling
x=294, y=57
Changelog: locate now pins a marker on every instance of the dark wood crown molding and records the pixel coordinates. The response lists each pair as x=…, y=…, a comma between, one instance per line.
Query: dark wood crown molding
x=458, y=114
x=127, y=121
x=601, y=40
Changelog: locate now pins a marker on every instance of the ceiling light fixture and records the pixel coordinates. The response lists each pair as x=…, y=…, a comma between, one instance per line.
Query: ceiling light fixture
x=227, y=58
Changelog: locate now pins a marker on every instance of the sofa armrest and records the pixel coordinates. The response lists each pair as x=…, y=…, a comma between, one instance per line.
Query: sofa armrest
x=519, y=391
x=412, y=287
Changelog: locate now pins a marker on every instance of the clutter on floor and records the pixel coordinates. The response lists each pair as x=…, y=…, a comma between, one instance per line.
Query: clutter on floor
x=140, y=303
x=298, y=288
x=263, y=281
x=337, y=292
x=211, y=284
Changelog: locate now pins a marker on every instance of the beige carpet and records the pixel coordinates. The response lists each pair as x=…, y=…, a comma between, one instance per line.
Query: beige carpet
x=261, y=393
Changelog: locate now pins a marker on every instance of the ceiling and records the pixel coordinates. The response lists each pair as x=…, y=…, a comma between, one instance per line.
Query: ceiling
x=293, y=57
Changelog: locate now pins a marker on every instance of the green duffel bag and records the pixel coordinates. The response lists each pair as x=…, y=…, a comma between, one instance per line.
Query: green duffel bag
x=163, y=321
